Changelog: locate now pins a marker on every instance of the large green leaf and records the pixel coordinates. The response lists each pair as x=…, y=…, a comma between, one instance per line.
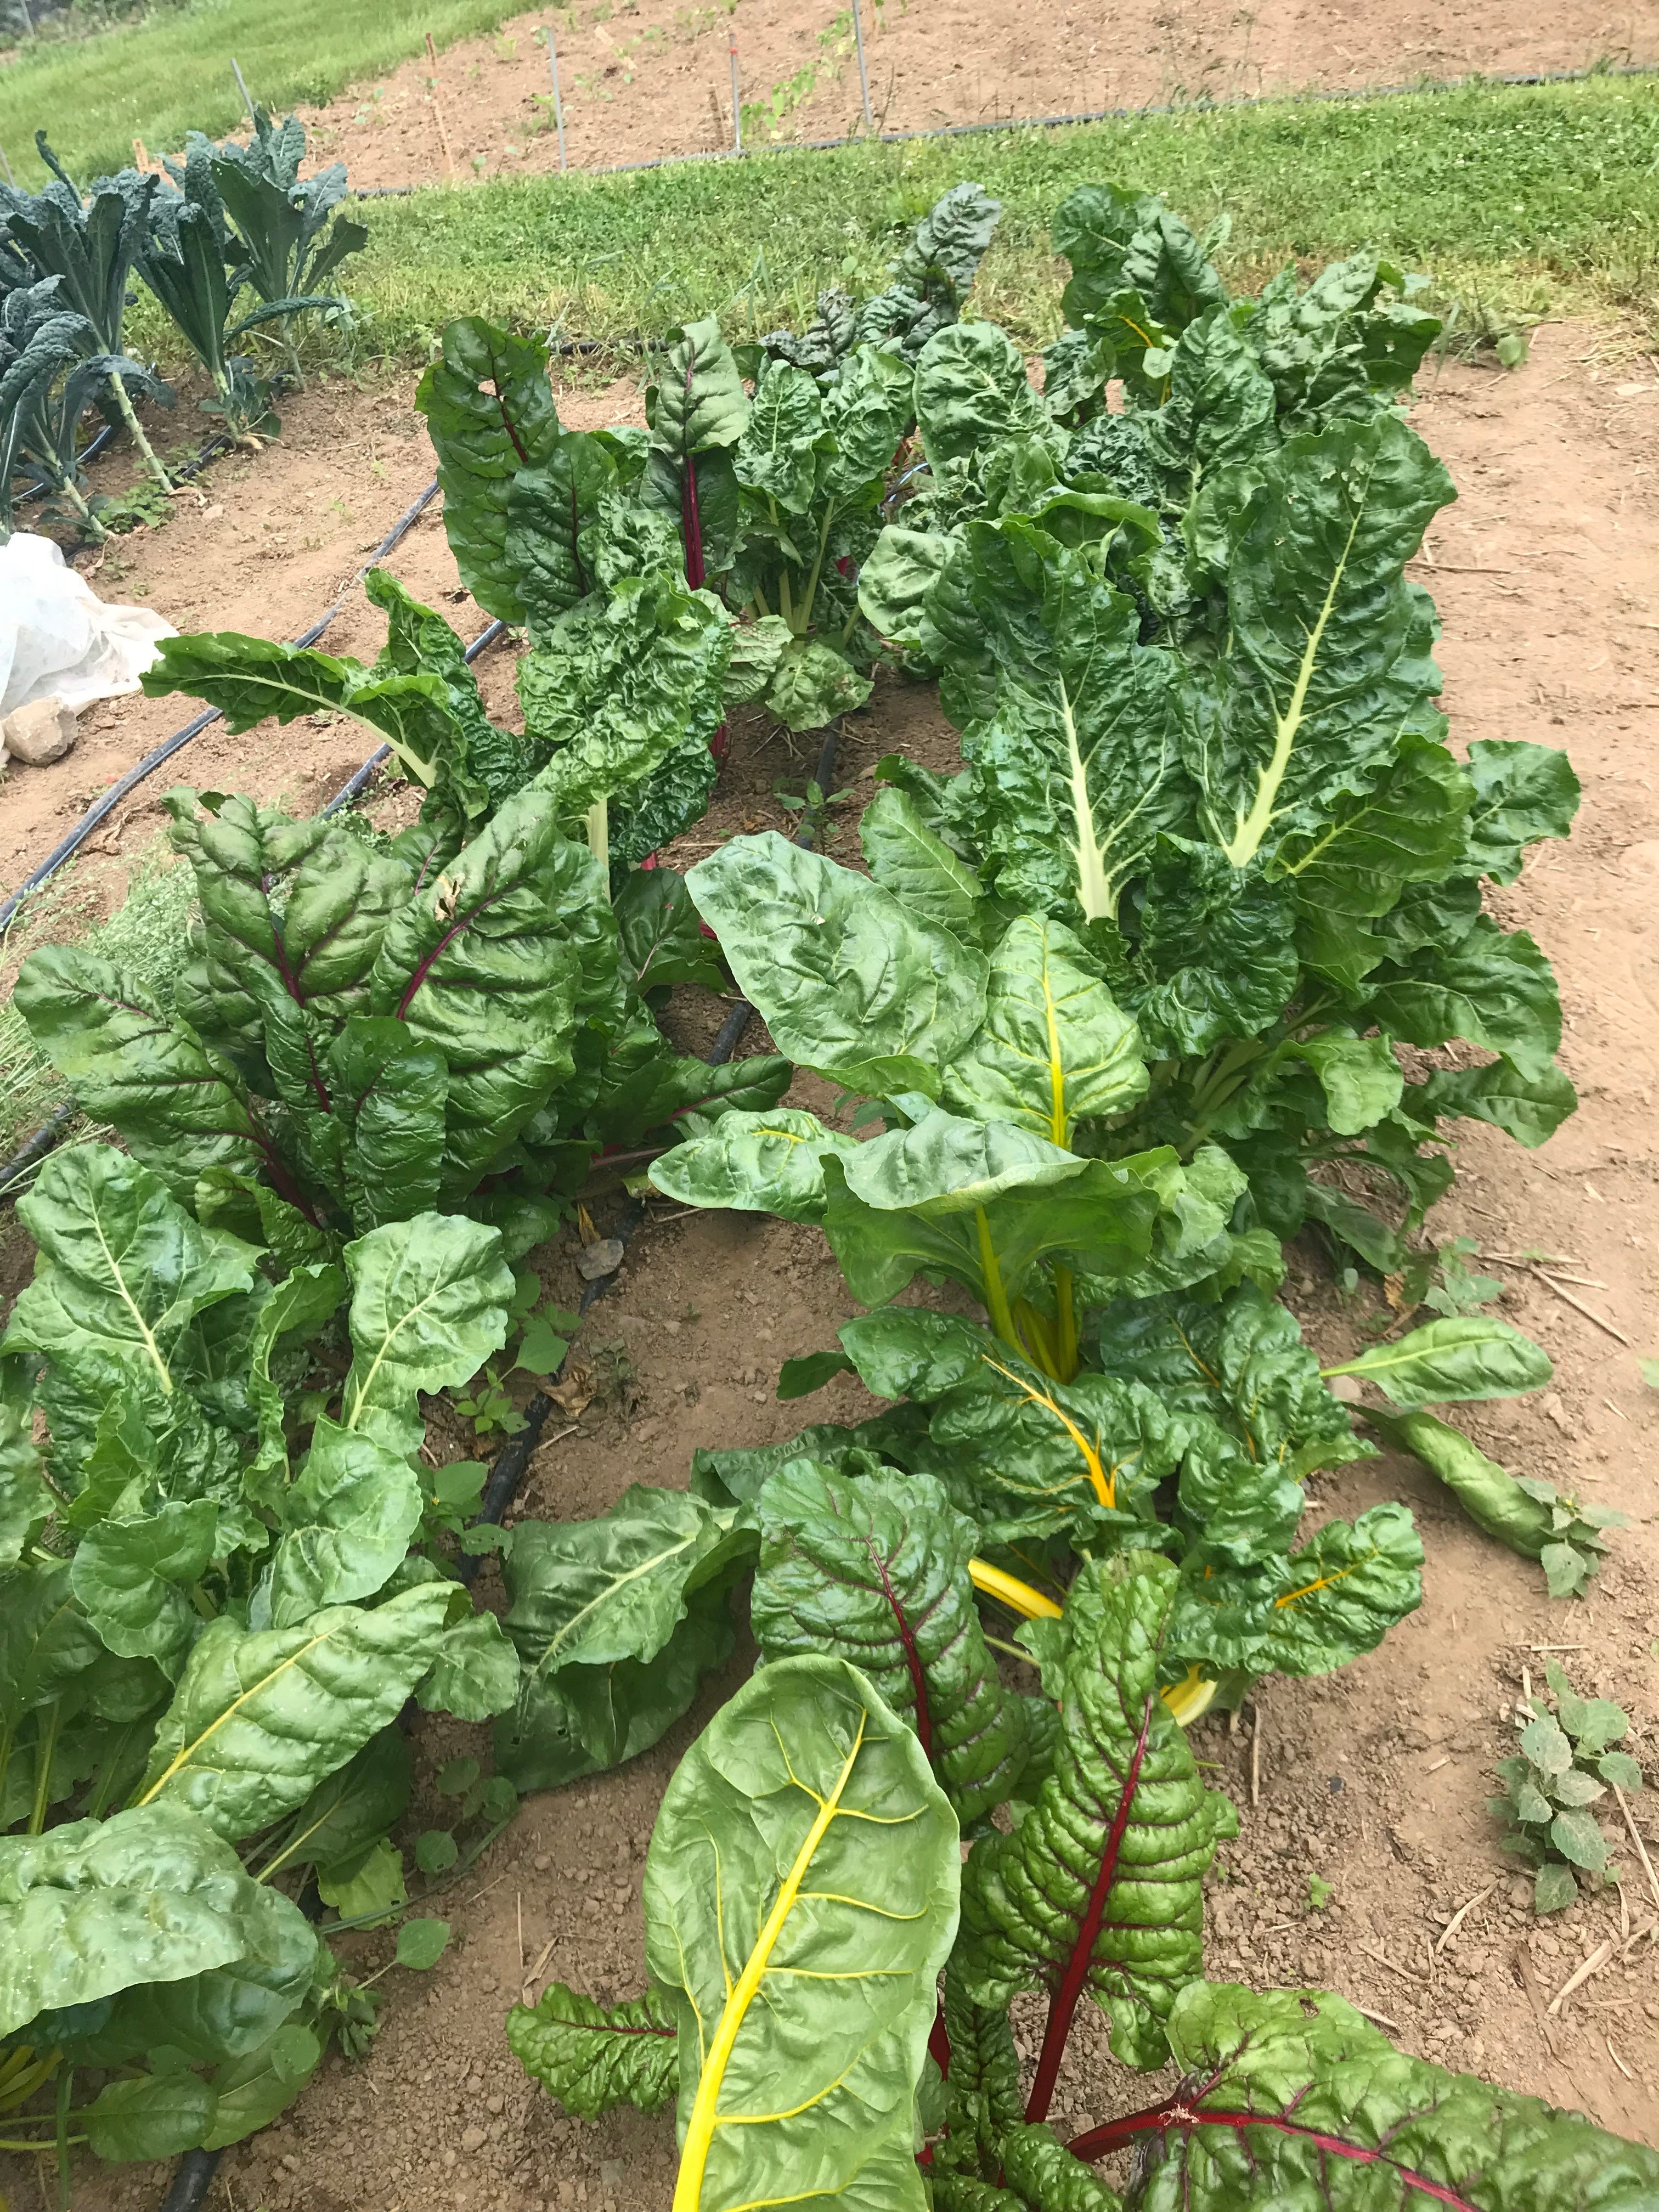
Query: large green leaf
x=614, y=1619
x=549, y=508
x=800, y=1896
x=132, y=1575
x=1289, y=2097
x=429, y=1301
x=148, y=1895
x=390, y=1092
x=1099, y=1888
x=489, y=409
x=350, y=1516
x=906, y=858
x=846, y=978
x=260, y=1717
x=971, y=389
x=179, y=1106
x=1318, y=675
x=1054, y=1046
x=121, y=1273
x=775, y=456
x=614, y=686
x=1072, y=727
x=594, y=2057
x=758, y=1163
x=1521, y=793
x=1494, y=988
x=1462, y=1356
x=491, y=965
x=873, y=1569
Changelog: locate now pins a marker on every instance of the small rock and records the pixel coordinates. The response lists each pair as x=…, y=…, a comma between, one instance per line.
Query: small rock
x=496, y=2104
x=39, y=733
x=1348, y=1388
x=290, y=2161
x=611, y=2173
x=597, y=1260
x=542, y=1860
x=472, y=2139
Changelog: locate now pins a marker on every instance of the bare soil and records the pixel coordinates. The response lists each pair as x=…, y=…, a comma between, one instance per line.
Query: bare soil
x=651, y=77
x=1375, y=1780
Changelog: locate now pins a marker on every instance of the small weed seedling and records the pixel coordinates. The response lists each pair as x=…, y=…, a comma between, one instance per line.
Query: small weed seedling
x=1567, y=1762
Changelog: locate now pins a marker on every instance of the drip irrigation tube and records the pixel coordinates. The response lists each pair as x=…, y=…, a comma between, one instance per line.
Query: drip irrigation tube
x=118, y=791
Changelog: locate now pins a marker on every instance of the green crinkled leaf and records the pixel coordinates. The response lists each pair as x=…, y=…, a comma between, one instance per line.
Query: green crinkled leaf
x=1337, y=2116
x=846, y=979
x=1344, y=1590
x=1319, y=672
x=260, y=1717
x=615, y=1621
x=660, y=939
x=490, y=411
x=1521, y=793
x=1490, y=1495
x=429, y=1302
x=1360, y=1077
x=476, y=1673
x=873, y=1569
x=1529, y=1107
x=775, y=456
x=26, y=1503
x=906, y=858
x=895, y=580
x=1465, y=1356
x=971, y=387
x=548, y=510
x=1054, y=1047
x=1100, y=1886
x=150, y=2117
x=813, y=683
x=800, y=1896
x=1243, y=1362
x=1216, y=948
x=133, y=1577
x=593, y=2058
x=353, y=1808
x=1495, y=988
x=769, y=1162
x=180, y=1106
x=149, y=1895
x=350, y=1516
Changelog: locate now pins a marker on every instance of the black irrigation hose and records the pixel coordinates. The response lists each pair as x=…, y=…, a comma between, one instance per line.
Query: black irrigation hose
x=1085, y=115
x=102, y=807
x=37, y=1146
x=192, y=2181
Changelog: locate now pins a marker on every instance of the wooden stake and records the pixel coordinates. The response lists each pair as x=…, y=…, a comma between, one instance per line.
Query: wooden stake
x=438, y=112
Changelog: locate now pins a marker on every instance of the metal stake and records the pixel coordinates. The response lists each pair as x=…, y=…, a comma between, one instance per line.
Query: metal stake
x=6, y=165
x=863, y=77
x=737, y=100
x=242, y=87
x=558, y=105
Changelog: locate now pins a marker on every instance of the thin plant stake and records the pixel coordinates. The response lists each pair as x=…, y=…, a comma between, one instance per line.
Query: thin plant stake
x=737, y=100
x=241, y=87
x=6, y=165
x=864, y=75
x=558, y=104
x=437, y=110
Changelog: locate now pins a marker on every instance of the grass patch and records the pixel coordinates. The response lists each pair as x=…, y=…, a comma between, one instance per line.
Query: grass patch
x=157, y=80
x=1544, y=194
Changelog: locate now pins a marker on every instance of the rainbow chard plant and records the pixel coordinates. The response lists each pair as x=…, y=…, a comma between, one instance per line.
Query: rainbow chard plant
x=806, y=1887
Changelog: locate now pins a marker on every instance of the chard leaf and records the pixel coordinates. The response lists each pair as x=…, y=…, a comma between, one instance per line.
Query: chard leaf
x=758, y=1163
x=1464, y=1356
x=429, y=1301
x=121, y=1273
x=149, y=2117
x=660, y=939
x=350, y=1517
x=26, y=1503
x=149, y=1895
x=895, y=580
x=1072, y=727
x=1343, y=1591
x=476, y=1673
x=389, y=1091
x=906, y=858
x=615, y=686
x=1290, y=2095
x=1217, y=945
x=548, y=510
x=593, y=2058
x=815, y=682
x=1521, y=793
x=971, y=389
x=1488, y=1493
x=805, y=1866
x=1529, y=1107
x=1360, y=1077
x=776, y=456
x=1323, y=627
x=1495, y=988
x=1054, y=1047
x=490, y=411
x=131, y=1575
x=873, y=1569
x=1243, y=1364
x=179, y=1106
x=847, y=980
x=614, y=1619
x=46, y=1640
x=1100, y=1886
x=353, y=1808
x=486, y=966
x=260, y=1718
x=1220, y=408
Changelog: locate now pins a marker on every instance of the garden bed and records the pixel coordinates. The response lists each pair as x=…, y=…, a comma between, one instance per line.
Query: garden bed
x=1373, y=1780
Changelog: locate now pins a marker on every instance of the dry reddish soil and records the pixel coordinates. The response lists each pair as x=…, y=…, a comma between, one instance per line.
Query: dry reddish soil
x=651, y=77
x=1375, y=1780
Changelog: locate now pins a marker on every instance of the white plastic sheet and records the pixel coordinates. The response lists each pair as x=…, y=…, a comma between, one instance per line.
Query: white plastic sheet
x=57, y=639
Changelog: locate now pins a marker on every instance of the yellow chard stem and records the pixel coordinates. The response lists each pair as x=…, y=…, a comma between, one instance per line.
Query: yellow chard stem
x=1065, y=1306
x=996, y=1299
x=1008, y=1589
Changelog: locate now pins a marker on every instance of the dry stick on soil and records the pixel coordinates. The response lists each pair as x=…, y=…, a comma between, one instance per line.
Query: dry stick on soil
x=1462, y=1915
x=1380, y=2019
x=527, y=1986
x=1580, y=1974
x=1636, y=1837
x=1255, y=1752
x=438, y=112
x=1617, y=2060
x=1406, y=1973
x=1578, y=1306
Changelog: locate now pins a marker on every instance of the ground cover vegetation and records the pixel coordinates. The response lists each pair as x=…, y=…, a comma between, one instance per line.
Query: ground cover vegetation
x=1111, y=1012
